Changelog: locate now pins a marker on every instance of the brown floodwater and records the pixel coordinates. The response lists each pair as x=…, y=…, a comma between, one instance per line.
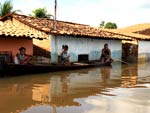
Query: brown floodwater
x=116, y=89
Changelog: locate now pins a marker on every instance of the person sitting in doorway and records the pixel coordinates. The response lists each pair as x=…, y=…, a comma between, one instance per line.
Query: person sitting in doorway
x=106, y=54
x=22, y=57
x=65, y=55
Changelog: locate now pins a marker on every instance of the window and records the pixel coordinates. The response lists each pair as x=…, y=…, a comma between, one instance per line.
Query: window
x=83, y=57
x=6, y=56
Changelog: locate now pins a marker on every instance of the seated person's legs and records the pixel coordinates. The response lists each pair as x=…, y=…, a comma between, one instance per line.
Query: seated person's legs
x=28, y=59
x=107, y=58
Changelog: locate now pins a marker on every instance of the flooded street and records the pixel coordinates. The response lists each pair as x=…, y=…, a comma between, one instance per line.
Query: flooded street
x=116, y=89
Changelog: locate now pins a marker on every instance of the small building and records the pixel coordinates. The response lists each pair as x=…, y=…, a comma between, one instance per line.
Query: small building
x=13, y=37
x=140, y=47
x=85, y=42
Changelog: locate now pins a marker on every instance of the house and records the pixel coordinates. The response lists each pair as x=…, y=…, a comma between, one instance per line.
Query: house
x=141, y=46
x=13, y=37
x=85, y=42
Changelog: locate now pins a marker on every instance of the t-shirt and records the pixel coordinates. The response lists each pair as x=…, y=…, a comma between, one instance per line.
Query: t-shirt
x=64, y=55
x=21, y=58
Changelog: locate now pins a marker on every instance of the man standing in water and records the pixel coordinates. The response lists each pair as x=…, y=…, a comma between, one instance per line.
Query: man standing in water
x=106, y=54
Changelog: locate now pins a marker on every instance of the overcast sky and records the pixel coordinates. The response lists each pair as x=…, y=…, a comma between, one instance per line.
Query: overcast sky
x=92, y=12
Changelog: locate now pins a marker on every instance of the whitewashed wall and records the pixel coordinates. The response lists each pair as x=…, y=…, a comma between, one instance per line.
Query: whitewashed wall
x=83, y=46
x=144, y=50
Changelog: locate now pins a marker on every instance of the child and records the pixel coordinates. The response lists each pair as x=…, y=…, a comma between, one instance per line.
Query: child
x=64, y=55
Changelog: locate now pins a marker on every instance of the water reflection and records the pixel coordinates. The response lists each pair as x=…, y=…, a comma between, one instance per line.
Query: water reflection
x=64, y=83
x=41, y=93
x=125, y=101
x=129, y=76
x=63, y=89
x=81, y=91
x=105, y=73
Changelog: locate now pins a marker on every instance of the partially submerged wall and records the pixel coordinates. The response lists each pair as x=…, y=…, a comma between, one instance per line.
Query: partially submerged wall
x=13, y=44
x=143, y=51
x=78, y=46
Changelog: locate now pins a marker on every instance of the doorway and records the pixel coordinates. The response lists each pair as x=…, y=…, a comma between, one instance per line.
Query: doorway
x=129, y=52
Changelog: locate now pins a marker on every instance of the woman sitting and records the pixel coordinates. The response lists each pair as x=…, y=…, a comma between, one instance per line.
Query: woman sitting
x=64, y=55
x=106, y=54
x=22, y=57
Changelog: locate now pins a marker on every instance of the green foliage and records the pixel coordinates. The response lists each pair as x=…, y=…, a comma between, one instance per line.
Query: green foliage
x=41, y=13
x=110, y=25
x=6, y=8
x=102, y=24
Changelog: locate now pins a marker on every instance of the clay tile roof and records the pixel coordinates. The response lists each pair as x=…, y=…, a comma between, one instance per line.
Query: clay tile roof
x=10, y=30
x=139, y=31
x=66, y=28
x=7, y=28
x=135, y=28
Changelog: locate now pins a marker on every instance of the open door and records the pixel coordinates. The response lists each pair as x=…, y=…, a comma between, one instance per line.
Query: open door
x=130, y=52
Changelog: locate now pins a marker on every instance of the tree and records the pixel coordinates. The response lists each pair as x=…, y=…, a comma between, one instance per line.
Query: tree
x=110, y=25
x=102, y=24
x=6, y=8
x=41, y=13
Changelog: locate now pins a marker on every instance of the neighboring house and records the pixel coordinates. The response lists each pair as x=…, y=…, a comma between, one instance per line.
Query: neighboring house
x=13, y=37
x=141, y=32
x=85, y=42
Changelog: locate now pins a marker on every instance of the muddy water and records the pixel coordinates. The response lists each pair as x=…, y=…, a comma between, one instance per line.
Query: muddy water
x=116, y=89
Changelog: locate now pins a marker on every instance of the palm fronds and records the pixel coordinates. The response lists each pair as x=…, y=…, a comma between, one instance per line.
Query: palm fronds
x=6, y=8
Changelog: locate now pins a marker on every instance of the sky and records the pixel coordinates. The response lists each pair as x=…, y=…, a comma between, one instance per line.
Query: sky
x=92, y=12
